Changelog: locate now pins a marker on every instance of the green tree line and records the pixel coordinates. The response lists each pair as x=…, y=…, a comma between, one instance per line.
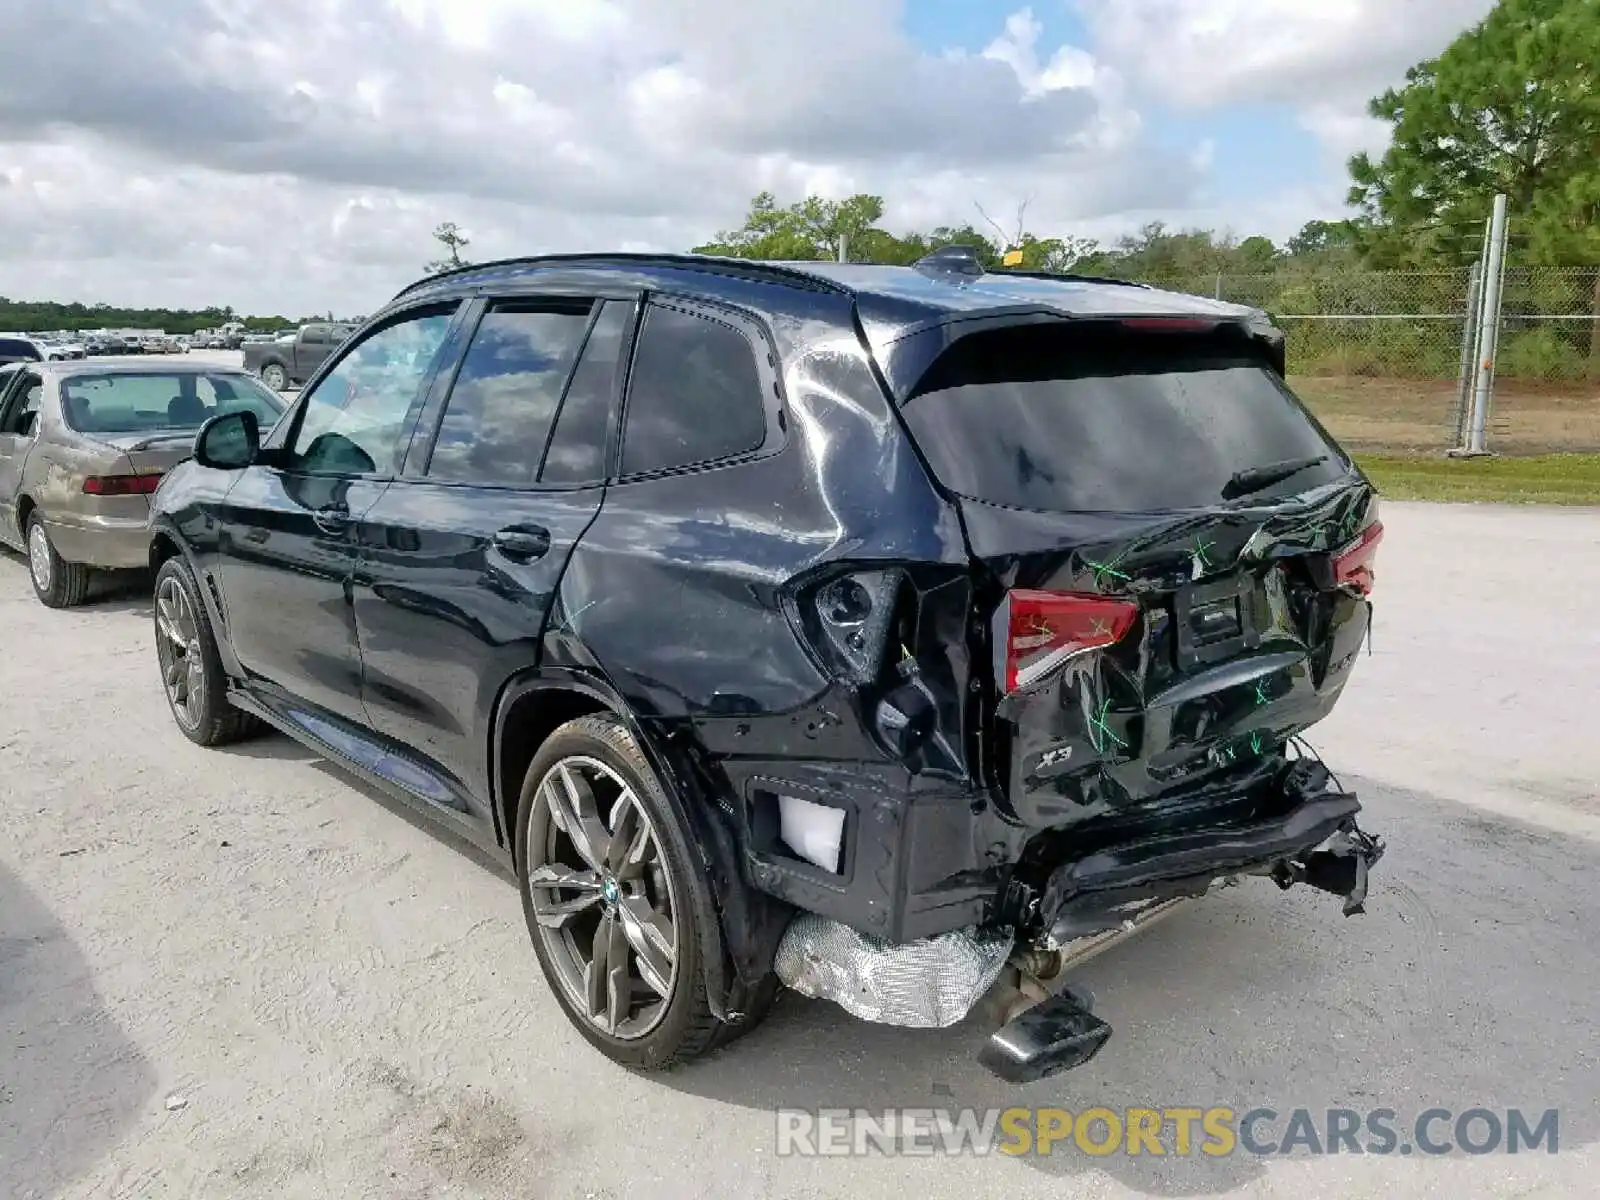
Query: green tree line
x=44, y=316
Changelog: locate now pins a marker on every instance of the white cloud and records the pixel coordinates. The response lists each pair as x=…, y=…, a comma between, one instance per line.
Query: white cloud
x=294, y=155
x=1209, y=52
x=321, y=140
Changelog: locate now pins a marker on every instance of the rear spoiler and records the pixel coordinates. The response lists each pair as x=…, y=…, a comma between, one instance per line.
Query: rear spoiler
x=906, y=360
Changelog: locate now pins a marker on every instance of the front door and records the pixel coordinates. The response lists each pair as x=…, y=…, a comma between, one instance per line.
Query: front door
x=461, y=558
x=287, y=526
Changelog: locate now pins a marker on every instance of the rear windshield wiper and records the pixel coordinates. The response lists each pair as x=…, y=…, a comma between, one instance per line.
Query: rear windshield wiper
x=1253, y=479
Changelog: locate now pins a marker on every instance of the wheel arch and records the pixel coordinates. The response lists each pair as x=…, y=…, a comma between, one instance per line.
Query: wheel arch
x=533, y=706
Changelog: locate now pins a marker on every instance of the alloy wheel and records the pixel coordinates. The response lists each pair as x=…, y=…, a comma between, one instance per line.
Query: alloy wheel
x=602, y=897
x=183, y=670
x=39, y=557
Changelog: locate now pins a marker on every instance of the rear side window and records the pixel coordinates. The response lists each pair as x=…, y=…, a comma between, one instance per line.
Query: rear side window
x=498, y=417
x=694, y=394
x=144, y=402
x=1106, y=420
x=577, y=453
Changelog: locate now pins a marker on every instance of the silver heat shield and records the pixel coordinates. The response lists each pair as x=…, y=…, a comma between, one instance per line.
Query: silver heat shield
x=926, y=984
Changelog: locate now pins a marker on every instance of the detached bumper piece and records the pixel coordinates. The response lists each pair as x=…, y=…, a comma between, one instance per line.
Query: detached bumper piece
x=1315, y=841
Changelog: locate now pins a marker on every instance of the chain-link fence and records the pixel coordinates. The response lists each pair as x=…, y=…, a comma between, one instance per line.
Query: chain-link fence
x=1380, y=355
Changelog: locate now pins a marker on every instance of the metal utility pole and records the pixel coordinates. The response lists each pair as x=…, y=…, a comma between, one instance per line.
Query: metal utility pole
x=1489, y=328
x=1466, y=373
x=844, y=248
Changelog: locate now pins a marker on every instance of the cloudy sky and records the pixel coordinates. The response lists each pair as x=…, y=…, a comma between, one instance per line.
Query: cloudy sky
x=293, y=155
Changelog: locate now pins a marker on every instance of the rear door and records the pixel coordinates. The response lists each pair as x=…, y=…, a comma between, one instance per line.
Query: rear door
x=1158, y=524
x=460, y=559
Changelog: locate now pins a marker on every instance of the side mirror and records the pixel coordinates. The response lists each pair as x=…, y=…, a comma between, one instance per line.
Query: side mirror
x=229, y=442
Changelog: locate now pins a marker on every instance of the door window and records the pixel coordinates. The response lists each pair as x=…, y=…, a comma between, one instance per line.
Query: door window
x=694, y=393
x=23, y=413
x=577, y=453
x=355, y=420
x=505, y=396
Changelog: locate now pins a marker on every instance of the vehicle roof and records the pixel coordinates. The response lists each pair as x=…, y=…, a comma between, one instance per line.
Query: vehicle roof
x=135, y=366
x=912, y=292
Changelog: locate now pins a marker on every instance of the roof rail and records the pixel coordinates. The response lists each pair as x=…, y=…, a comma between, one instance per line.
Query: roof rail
x=715, y=264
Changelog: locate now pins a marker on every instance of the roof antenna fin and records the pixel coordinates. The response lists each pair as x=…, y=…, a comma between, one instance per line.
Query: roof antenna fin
x=951, y=260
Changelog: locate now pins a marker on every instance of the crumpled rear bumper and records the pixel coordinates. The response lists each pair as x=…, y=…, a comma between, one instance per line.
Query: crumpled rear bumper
x=1311, y=837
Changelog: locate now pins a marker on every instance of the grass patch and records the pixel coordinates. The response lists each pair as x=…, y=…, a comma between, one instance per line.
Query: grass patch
x=1539, y=479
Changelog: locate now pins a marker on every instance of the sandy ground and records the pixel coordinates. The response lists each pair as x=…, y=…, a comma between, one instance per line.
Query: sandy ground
x=233, y=974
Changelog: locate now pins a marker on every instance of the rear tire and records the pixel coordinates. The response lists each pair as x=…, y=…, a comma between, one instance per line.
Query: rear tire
x=192, y=676
x=643, y=902
x=57, y=583
x=275, y=377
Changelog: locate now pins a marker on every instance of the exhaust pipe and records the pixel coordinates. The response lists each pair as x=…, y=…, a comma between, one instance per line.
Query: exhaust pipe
x=1057, y=1035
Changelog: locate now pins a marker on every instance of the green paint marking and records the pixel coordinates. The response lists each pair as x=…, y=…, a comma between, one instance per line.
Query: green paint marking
x=1255, y=742
x=1261, y=692
x=1101, y=733
x=1201, y=559
x=1108, y=569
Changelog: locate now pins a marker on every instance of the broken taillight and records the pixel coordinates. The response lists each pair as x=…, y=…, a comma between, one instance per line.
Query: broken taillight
x=1352, y=566
x=1036, y=632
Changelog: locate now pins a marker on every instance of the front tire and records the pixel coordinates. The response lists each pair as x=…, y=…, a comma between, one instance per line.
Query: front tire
x=57, y=583
x=191, y=668
x=614, y=900
x=275, y=377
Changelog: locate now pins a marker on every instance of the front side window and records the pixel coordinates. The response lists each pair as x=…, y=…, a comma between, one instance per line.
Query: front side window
x=505, y=396
x=694, y=393
x=355, y=419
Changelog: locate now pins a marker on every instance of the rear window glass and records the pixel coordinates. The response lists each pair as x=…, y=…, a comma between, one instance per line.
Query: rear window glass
x=140, y=403
x=1104, y=420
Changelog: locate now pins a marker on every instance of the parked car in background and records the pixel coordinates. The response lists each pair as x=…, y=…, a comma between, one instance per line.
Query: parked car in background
x=82, y=446
x=290, y=360
x=16, y=348
x=57, y=349
x=864, y=628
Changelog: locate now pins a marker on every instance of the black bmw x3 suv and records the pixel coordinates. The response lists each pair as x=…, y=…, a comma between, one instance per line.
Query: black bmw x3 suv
x=869, y=630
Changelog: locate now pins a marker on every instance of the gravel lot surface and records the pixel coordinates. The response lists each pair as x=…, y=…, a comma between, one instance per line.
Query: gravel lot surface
x=235, y=974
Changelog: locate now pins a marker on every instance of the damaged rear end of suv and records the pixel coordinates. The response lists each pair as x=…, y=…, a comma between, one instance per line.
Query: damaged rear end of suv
x=899, y=635
x=1167, y=573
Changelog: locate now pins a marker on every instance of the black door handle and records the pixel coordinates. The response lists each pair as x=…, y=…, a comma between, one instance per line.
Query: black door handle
x=523, y=543
x=334, y=518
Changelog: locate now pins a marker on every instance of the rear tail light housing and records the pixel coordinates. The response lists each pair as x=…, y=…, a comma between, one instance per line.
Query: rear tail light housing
x=1036, y=632
x=847, y=619
x=121, y=485
x=1353, y=563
